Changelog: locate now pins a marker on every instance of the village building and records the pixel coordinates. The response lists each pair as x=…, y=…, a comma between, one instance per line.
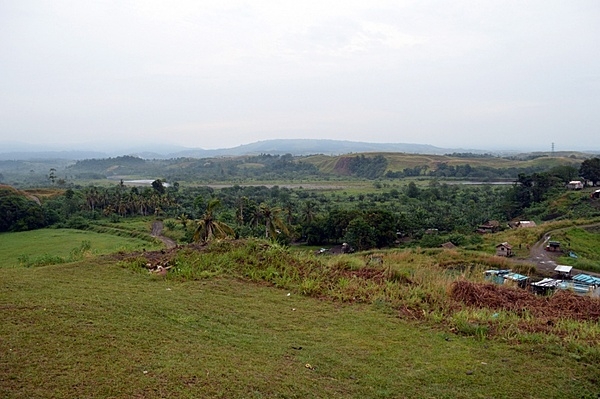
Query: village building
x=490, y=226
x=504, y=249
x=526, y=223
x=575, y=185
x=563, y=271
x=553, y=246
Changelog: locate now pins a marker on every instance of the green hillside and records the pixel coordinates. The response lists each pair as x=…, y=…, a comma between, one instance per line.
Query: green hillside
x=104, y=328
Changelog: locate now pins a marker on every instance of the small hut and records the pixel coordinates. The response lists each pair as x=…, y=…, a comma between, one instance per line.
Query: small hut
x=575, y=185
x=491, y=226
x=523, y=224
x=563, y=271
x=504, y=249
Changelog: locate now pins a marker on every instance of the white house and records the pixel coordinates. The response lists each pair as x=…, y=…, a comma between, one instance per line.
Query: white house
x=575, y=185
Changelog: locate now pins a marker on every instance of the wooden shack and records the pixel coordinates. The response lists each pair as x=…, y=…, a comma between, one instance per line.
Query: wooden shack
x=504, y=249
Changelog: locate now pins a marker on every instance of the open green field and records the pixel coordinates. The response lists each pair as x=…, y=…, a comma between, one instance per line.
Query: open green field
x=94, y=329
x=49, y=244
x=399, y=161
x=584, y=243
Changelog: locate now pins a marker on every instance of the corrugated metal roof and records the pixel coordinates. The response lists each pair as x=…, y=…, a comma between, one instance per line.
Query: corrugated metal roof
x=586, y=279
x=576, y=288
x=563, y=269
x=497, y=272
x=547, y=282
x=515, y=277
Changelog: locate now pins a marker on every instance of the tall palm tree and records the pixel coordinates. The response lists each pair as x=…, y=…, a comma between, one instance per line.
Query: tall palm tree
x=242, y=203
x=309, y=211
x=183, y=219
x=208, y=227
x=92, y=197
x=273, y=222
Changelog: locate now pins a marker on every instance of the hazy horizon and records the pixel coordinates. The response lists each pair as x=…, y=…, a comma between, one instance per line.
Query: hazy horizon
x=494, y=75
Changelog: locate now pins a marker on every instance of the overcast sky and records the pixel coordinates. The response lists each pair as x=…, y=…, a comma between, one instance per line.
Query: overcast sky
x=215, y=74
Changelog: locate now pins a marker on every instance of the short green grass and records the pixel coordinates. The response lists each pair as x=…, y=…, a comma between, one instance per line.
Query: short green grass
x=93, y=329
x=584, y=243
x=60, y=243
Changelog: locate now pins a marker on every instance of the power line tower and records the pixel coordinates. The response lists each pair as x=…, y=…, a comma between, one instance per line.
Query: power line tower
x=552, y=149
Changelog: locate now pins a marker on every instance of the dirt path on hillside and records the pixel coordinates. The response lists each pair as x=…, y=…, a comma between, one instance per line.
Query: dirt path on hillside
x=157, y=227
x=546, y=261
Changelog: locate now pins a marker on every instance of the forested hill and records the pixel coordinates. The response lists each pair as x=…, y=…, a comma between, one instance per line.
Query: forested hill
x=273, y=167
x=365, y=166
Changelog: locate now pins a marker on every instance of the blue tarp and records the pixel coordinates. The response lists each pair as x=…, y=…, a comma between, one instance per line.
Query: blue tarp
x=587, y=279
x=576, y=288
x=515, y=277
x=496, y=276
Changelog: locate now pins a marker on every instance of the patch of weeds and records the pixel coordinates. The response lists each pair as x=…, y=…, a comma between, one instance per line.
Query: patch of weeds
x=137, y=264
x=527, y=270
x=470, y=324
x=343, y=283
x=43, y=260
x=400, y=276
x=472, y=329
x=310, y=286
x=436, y=316
x=282, y=281
x=79, y=252
x=532, y=338
x=23, y=260
x=343, y=262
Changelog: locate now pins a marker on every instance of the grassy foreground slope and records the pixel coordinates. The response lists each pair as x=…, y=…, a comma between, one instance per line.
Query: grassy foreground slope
x=94, y=329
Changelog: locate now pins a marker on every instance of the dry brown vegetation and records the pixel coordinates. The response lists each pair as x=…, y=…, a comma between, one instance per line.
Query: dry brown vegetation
x=561, y=305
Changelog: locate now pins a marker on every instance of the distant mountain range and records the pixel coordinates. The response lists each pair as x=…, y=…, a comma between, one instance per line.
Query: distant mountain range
x=311, y=147
x=298, y=147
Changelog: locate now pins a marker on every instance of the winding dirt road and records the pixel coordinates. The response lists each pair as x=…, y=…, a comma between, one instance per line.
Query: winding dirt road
x=157, y=227
x=546, y=261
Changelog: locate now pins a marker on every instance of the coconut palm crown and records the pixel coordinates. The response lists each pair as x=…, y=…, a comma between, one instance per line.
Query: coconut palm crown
x=208, y=227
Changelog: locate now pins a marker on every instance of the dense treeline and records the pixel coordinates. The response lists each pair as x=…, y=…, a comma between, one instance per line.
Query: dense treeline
x=466, y=171
x=368, y=167
x=17, y=212
x=370, y=219
x=365, y=220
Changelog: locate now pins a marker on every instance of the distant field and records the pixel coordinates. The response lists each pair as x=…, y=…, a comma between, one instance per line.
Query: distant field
x=400, y=161
x=60, y=243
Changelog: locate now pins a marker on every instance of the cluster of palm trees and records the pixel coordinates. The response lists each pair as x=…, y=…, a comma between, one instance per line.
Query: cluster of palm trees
x=208, y=227
x=118, y=200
